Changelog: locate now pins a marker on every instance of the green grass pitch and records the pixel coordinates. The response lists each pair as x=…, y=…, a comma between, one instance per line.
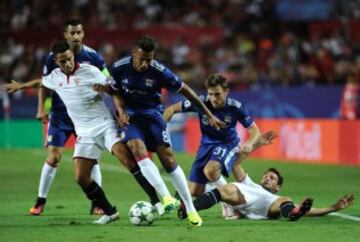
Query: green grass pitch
x=66, y=216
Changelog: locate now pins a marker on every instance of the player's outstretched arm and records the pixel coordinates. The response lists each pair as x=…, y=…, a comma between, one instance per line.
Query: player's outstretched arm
x=15, y=86
x=340, y=204
x=171, y=110
x=266, y=138
x=195, y=100
x=41, y=114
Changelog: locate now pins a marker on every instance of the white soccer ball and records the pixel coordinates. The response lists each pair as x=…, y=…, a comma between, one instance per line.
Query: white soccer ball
x=141, y=213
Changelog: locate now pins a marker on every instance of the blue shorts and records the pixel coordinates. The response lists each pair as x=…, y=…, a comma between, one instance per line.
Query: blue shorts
x=150, y=129
x=60, y=128
x=225, y=154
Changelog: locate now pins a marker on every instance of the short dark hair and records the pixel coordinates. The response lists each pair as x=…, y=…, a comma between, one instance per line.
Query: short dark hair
x=215, y=80
x=72, y=22
x=277, y=172
x=60, y=47
x=147, y=44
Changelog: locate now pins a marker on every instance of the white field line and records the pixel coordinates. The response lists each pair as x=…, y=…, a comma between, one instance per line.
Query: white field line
x=345, y=216
x=107, y=167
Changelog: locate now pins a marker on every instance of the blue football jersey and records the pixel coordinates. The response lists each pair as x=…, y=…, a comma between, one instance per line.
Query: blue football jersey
x=232, y=112
x=87, y=55
x=141, y=91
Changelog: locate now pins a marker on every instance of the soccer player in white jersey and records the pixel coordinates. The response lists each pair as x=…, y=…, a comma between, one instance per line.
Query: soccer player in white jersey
x=94, y=124
x=258, y=201
x=60, y=126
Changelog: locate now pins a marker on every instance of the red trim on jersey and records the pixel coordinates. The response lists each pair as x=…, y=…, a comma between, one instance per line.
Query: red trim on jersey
x=77, y=66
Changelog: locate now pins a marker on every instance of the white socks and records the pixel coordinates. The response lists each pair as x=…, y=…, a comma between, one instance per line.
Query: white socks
x=47, y=177
x=96, y=174
x=208, y=187
x=152, y=174
x=180, y=183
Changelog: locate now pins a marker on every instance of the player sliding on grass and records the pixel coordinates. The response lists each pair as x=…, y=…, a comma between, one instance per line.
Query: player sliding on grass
x=258, y=201
x=94, y=125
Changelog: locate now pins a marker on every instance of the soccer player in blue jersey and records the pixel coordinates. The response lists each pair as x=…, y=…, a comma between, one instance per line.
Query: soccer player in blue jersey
x=219, y=148
x=138, y=80
x=60, y=125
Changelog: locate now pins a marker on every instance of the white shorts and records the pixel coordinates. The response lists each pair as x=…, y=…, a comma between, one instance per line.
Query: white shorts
x=258, y=201
x=91, y=147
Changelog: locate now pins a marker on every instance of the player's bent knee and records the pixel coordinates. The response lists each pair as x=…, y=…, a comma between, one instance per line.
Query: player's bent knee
x=227, y=191
x=212, y=172
x=53, y=160
x=83, y=180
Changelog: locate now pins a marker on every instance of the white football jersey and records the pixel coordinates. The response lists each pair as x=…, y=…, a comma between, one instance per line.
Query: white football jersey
x=85, y=107
x=258, y=199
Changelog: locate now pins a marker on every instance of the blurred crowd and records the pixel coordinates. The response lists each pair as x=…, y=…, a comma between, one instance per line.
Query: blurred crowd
x=256, y=49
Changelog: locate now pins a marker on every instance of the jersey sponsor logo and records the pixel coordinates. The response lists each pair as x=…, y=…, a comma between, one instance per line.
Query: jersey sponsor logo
x=227, y=119
x=149, y=82
x=130, y=91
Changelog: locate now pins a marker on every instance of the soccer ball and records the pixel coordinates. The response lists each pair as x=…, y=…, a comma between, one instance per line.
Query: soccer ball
x=141, y=213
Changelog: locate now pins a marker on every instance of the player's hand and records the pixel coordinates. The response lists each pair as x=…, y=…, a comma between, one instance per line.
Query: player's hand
x=42, y=116
x=216, y=123
x=123, y=118
x=12, y=87
x=344, y=202
x=267, y=138
x=246, y=149
x=100, y=88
